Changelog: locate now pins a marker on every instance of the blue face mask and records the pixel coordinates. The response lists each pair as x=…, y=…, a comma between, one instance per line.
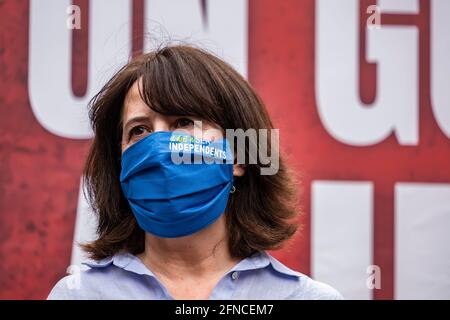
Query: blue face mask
x=170, y=199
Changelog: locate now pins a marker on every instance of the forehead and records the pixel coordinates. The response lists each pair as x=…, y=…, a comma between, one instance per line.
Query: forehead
x=133, y=104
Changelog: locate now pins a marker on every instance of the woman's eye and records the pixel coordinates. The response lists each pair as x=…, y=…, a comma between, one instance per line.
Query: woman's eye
x=137, y=131
x=184, y=122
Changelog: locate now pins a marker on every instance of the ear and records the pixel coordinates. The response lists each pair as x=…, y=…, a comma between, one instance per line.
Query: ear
x=238, y=170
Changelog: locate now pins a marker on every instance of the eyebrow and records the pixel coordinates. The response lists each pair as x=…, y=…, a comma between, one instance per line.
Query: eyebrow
x=139, y=119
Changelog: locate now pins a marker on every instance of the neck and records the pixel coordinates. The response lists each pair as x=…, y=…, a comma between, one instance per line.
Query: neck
x=203, y=253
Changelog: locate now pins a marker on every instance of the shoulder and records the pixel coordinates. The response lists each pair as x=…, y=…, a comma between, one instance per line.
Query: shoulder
x=121, y=276
x=84, y=283
x=65, y=289
x=315, y=290
x=303, y=286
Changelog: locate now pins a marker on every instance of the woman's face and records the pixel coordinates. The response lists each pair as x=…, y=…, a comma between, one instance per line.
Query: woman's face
x=138, y=121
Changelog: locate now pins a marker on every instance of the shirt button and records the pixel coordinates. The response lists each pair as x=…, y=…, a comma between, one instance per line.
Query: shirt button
x=234, y=275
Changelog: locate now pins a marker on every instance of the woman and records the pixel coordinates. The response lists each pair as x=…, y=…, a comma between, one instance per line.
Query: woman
x=191, y=230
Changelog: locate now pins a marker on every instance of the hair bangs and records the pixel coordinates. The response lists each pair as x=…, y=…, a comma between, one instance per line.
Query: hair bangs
x=172, y=86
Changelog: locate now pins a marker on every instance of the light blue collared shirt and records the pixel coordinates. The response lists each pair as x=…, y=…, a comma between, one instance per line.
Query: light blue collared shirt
x=124, y=276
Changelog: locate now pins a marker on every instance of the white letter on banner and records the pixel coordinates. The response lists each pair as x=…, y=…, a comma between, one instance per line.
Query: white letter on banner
x=49, y=82
x=394, y=49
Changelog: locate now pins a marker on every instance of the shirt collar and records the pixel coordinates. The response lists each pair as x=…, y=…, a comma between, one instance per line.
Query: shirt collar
x=258, y=260
x=125, y=261
x=261, y=260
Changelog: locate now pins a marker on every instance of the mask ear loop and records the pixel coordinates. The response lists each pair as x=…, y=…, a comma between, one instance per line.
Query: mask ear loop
x=233, y=189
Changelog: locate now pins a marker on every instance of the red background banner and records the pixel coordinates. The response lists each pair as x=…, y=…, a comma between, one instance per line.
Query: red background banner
x=40, y=172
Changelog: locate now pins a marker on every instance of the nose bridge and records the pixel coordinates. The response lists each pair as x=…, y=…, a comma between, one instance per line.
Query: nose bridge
x=161, y=123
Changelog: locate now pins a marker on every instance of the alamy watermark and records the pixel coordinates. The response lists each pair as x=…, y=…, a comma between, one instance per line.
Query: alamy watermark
x=243, y=147
x=374, y=19
x=374, y=279
x=73, y=282
x=74, y=17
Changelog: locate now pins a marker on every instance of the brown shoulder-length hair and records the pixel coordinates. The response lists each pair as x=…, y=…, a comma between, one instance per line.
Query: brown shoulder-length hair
x=183, y=80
